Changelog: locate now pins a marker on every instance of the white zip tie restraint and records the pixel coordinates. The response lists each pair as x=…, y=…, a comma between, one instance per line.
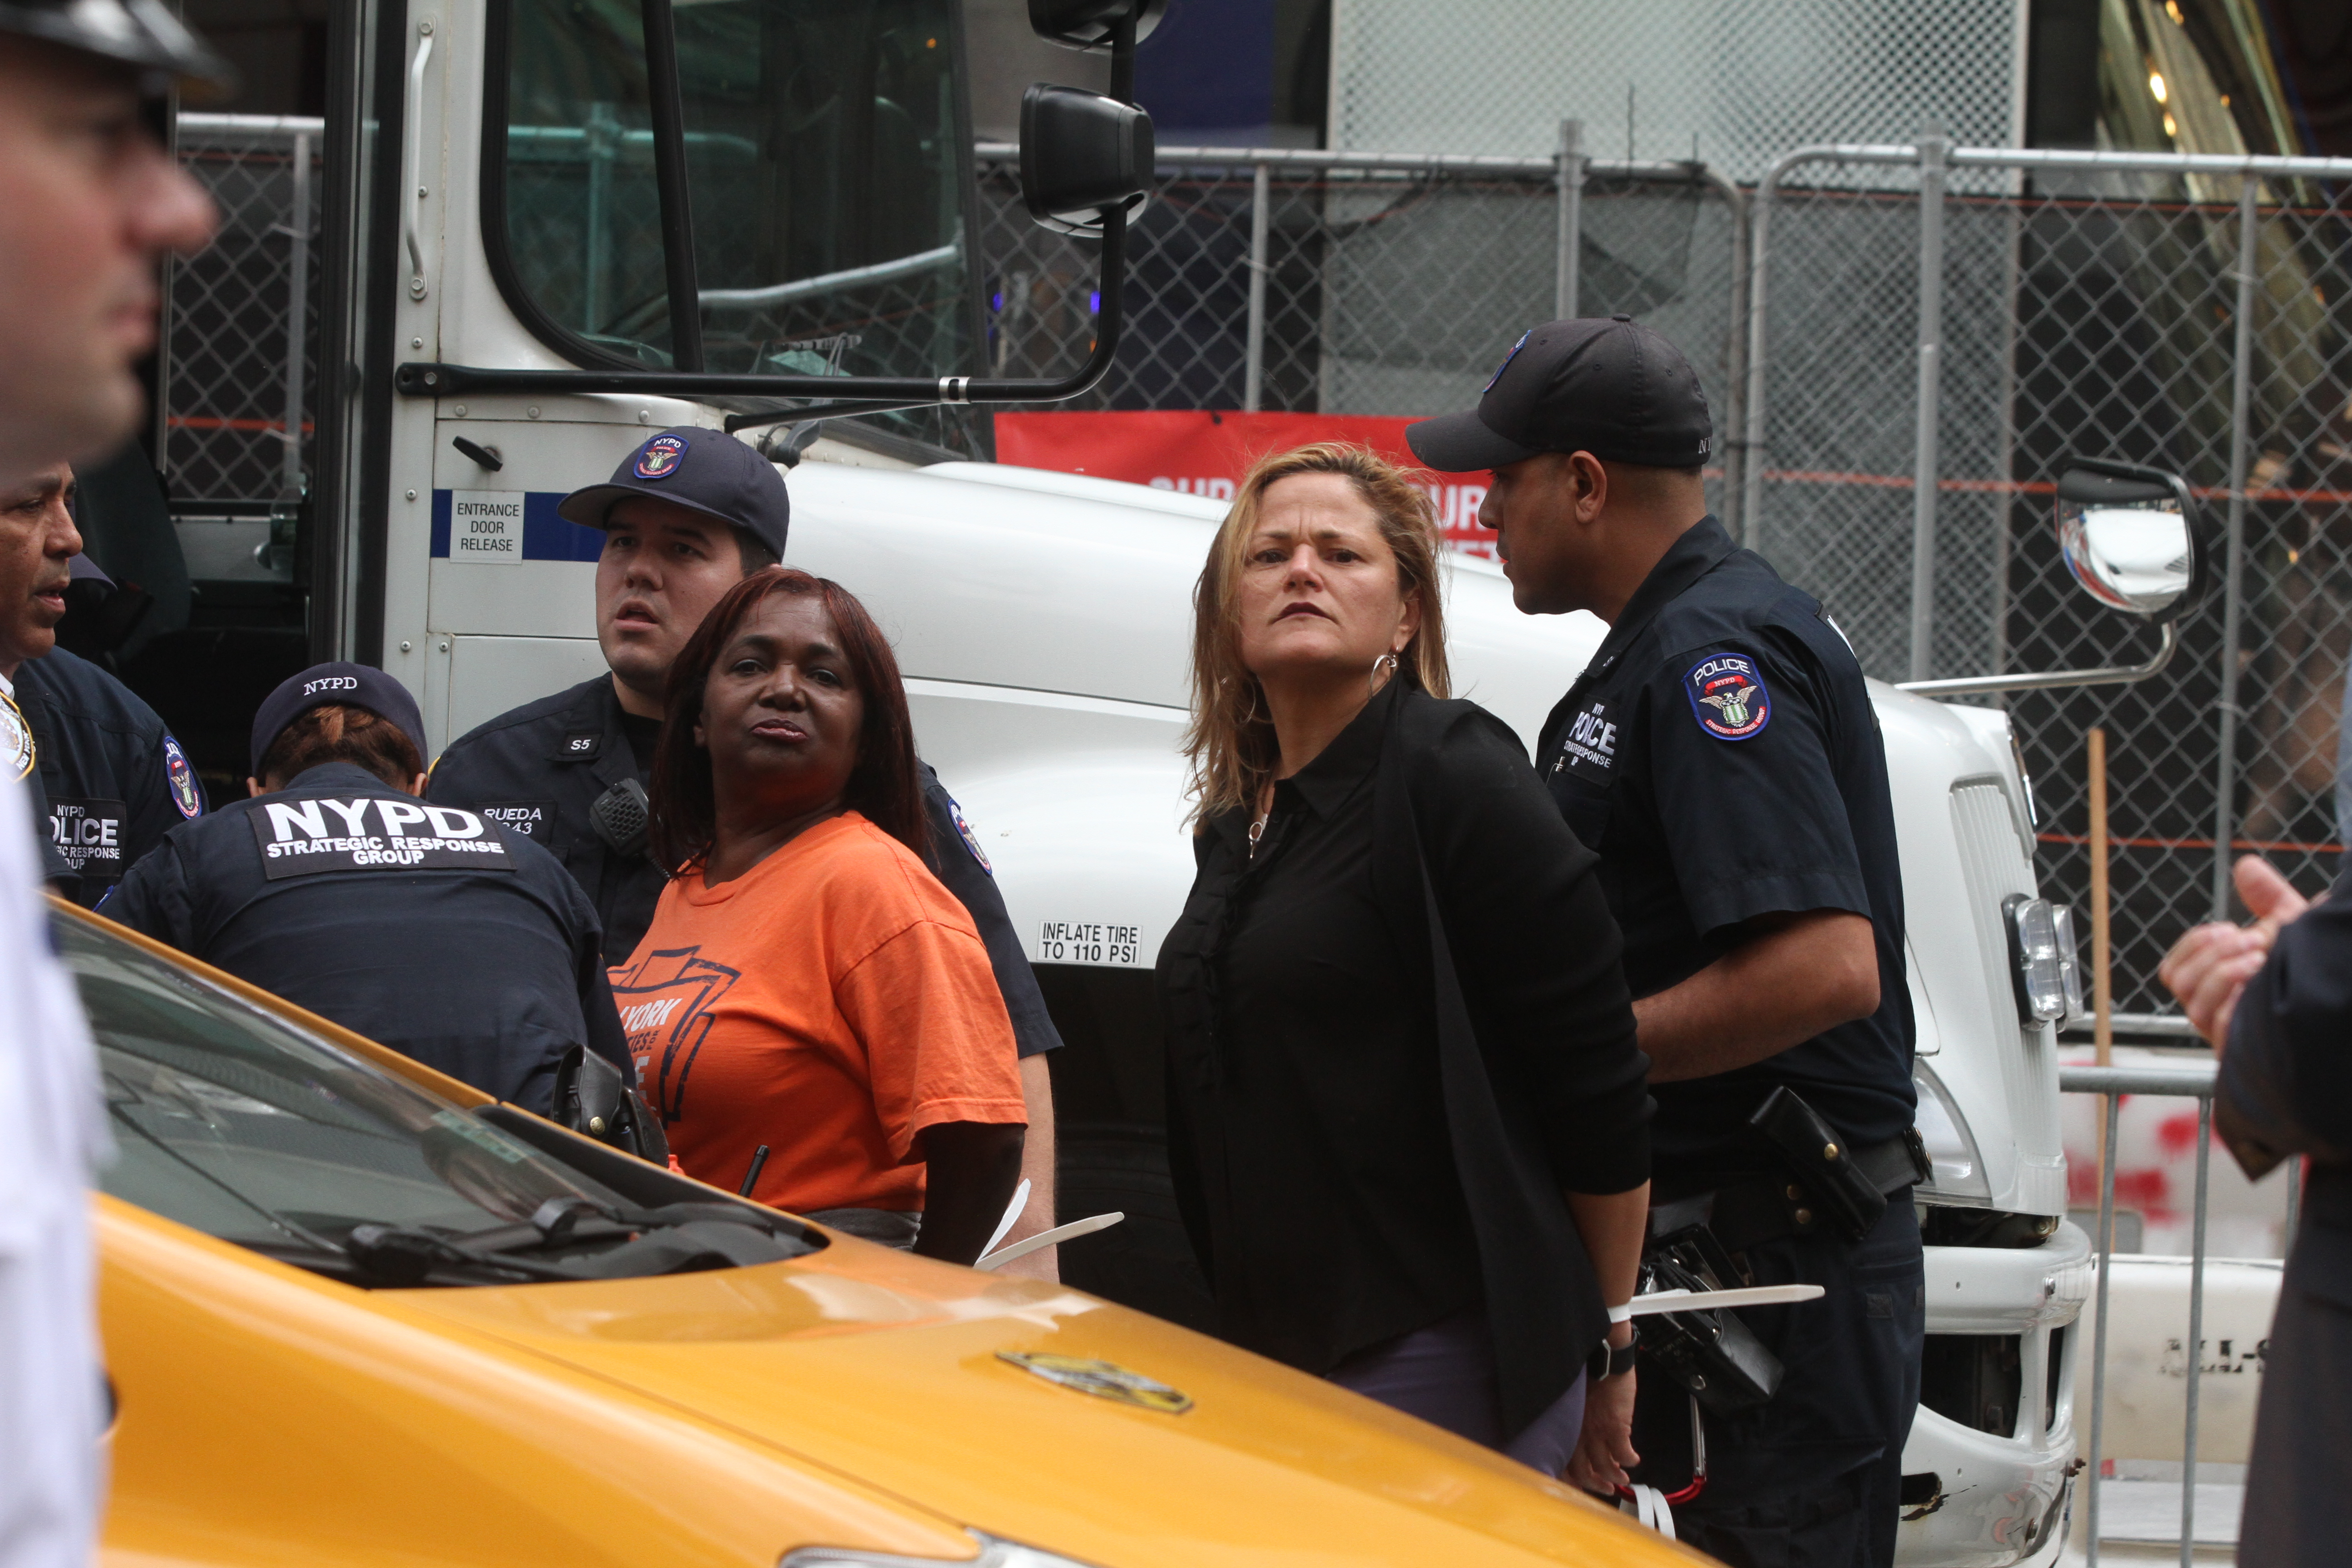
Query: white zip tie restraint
x=1011, y=1213
x=1652, y=1506
x=1046, y=1238
x=1658, y=1302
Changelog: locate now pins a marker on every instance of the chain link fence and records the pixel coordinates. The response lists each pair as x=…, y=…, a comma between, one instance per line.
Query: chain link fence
x=1290, y=280
x=2185, y=313
x=237, y=382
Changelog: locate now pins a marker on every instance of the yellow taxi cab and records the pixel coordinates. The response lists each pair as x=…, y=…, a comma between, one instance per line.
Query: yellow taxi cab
x=356, y=1314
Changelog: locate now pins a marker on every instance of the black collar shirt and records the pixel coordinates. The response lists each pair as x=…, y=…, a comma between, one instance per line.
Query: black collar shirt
x=1721, y=755
x=1308, y=1114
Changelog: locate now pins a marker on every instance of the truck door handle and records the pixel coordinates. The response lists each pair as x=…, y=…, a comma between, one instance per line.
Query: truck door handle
x=414, y=167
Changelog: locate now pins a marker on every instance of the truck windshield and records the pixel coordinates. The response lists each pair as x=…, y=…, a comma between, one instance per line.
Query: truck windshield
x=236, y=1124
x=827, y=172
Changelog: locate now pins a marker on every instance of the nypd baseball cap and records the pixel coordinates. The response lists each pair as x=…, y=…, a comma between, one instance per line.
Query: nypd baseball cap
x=708, y=471
x=1606, y=386
x=141, y=34
x=352, y=685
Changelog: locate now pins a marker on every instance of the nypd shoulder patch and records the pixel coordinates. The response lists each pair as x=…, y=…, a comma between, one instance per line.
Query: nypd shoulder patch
x=970, y=839
x=183, y=780
x=1728, y=697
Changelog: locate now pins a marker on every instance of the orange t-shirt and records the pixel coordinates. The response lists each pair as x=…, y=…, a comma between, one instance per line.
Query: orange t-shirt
x=831, y=1003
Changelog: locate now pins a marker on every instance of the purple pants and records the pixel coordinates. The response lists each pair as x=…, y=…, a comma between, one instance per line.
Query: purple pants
x=1444, y=1374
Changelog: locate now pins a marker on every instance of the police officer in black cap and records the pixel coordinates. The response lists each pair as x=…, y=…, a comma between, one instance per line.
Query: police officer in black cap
x=427, y=927
x=1721, y=755
x=112, y=778
x=687, y=514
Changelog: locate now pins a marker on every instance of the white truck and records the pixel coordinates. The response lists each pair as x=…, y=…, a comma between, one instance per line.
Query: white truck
x=512, y=304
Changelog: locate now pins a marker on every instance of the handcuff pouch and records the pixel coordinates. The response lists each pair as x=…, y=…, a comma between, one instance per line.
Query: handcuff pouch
x=1710, y=1353
x=1817, y=1159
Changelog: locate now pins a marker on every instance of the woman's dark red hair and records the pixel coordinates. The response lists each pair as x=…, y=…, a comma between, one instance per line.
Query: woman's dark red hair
x=886, y=785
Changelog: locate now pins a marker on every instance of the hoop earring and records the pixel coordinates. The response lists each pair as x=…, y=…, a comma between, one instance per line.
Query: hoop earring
x=1384, y=665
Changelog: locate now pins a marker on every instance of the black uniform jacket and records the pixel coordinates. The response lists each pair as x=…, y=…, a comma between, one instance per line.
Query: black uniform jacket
x=1509, y=1013
x=428, y=930
x=538, y=768
x=113, y=779
x=2286, y=1084
x=1721, y=755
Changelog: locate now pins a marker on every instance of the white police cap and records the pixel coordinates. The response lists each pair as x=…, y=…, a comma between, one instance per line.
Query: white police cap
x=138, y=33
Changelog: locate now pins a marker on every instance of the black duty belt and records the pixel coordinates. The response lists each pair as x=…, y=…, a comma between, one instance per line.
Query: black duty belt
x=1746, y=1208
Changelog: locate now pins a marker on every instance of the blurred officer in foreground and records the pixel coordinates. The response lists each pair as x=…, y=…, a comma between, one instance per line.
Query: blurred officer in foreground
x=88, y=203
x=1721, y=756
x=423, y=927
x=686, y=515
x=112, y=780
x=2274, y=1000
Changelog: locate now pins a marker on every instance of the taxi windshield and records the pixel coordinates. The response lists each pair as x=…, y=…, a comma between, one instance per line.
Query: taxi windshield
x=237, y=1124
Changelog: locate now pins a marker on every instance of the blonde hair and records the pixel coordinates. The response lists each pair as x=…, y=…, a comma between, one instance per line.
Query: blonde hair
x=1231, y=741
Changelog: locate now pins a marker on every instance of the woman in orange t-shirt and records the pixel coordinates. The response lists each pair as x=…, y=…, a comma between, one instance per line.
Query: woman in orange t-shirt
x=806, y=987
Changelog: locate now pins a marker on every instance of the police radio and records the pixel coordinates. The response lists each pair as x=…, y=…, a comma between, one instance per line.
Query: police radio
x=622, y=818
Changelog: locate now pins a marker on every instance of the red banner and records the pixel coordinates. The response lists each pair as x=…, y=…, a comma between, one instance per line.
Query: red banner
x=1204, y=452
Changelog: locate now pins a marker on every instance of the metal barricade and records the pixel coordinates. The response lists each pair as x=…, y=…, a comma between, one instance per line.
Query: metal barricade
x=2112, y=1083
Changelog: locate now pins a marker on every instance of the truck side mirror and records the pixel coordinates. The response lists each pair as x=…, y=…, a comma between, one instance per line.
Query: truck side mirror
x=1092, y=24
x=2129, y=536
x=2134, y=538
x=1082, y=156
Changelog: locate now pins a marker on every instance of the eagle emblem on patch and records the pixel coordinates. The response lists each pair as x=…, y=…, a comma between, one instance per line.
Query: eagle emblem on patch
x=16, y=749
x=183, y=780
x=970, y=839
x=658, y=458
x=1728, y=697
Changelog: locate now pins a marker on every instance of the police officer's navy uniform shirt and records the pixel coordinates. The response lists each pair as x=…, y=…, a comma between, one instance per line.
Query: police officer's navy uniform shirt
x=428, y=930
x=1721, y=755
x=113, y=779
x=539, y=769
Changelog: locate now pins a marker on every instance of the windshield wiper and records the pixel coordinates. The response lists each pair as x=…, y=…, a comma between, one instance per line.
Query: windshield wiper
x=622, y=1241
x=403, y=1256
x=570, y=1221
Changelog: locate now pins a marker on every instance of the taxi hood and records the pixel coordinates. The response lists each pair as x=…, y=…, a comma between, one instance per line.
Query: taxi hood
x=896, y=1371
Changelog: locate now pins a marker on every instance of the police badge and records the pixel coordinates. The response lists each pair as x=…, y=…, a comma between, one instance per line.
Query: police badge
x=1507, y=361
x=16, y=740
x=1728, y=697
x=658, y=458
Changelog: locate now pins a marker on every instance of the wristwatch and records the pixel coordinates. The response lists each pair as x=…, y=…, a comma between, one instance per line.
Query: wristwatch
x=1608, y=1360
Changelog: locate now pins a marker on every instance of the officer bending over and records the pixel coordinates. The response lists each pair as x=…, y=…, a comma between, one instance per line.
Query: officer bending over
x=114, y=779
x=686, y=515
x=426, y=929
x=1721, y=755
